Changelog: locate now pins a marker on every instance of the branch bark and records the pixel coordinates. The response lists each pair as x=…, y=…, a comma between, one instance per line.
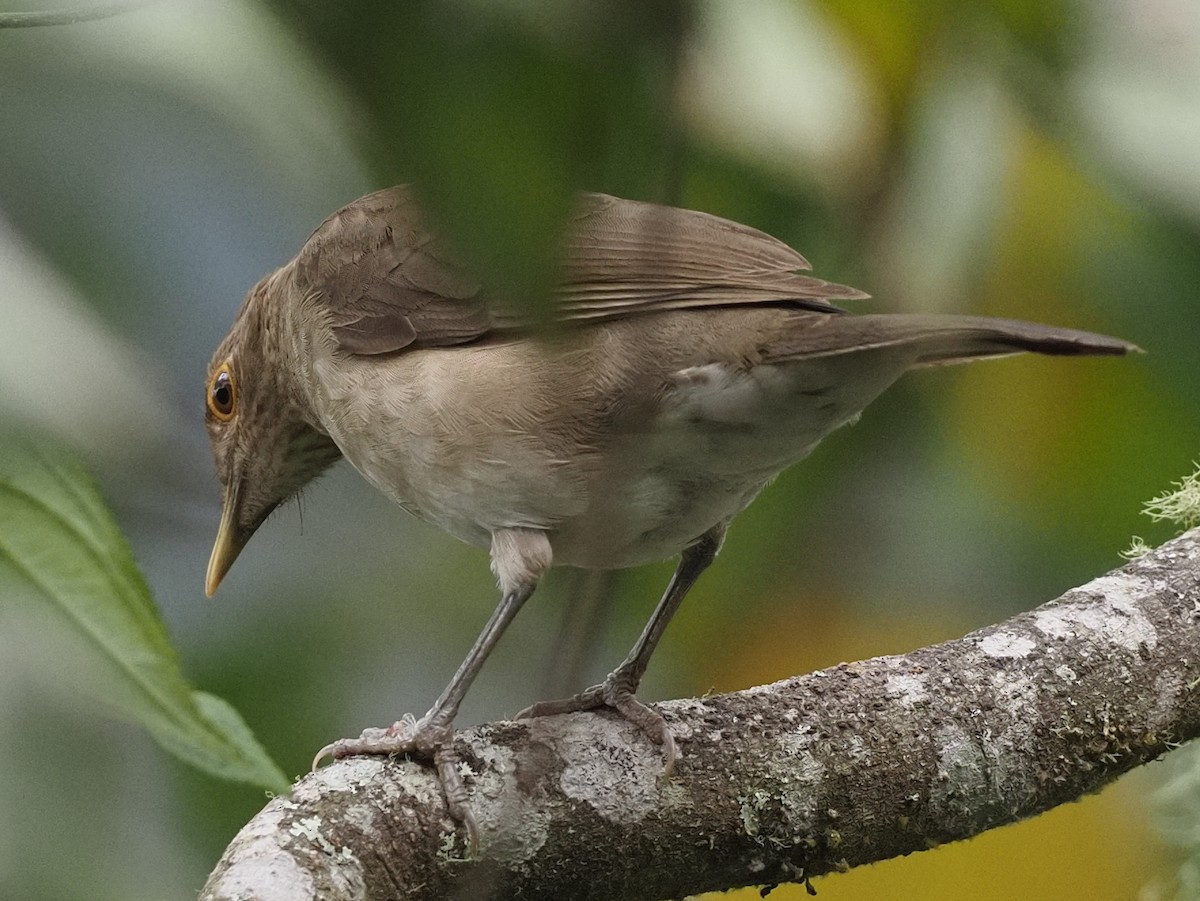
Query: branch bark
x=853, y=764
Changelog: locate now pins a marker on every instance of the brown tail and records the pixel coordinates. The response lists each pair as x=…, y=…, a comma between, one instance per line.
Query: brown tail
x=938, y=339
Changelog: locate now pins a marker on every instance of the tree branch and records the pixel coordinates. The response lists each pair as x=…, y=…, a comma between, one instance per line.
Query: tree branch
x=857, y=763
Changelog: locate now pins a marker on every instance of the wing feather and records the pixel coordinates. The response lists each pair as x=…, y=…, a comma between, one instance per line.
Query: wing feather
x=388, y=284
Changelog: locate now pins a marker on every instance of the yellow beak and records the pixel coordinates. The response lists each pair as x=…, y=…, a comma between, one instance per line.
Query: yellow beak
x=228, y=545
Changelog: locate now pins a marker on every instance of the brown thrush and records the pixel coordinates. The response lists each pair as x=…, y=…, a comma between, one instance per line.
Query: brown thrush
x=691, y=360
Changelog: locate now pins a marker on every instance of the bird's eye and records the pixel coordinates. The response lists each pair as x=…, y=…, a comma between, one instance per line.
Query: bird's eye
x=222, y=394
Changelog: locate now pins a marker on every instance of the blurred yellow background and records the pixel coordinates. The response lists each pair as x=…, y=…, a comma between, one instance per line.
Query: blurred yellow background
x=1031, y=159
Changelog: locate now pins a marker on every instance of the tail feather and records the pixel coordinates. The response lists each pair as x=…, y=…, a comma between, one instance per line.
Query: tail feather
x=938, y=340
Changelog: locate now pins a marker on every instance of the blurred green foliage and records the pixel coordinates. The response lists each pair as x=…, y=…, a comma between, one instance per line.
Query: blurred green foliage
x=68, y=578
x=1010, y=157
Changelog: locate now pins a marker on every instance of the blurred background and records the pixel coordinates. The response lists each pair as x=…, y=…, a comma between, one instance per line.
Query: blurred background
x=1024, y=158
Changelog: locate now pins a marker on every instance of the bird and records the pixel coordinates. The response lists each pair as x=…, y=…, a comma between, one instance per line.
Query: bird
x=686, y=361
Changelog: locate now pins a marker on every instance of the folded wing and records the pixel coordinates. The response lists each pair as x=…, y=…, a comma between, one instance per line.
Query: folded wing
x=388, y=283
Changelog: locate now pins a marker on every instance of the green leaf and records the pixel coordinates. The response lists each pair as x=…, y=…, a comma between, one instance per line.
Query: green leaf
x=65, y=565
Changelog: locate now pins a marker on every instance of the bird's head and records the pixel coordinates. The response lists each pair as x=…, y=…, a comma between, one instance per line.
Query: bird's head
x=264, y=448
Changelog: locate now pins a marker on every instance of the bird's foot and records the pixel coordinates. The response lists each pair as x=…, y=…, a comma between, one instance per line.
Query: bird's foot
x=429, y=738
x=616, y=692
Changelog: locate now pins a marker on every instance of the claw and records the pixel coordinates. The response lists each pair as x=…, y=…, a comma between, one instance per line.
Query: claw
x=616, y=693
x=446, y=760
x=425, y=738
x=670, y=750
x=649, y=721
x=330, y=751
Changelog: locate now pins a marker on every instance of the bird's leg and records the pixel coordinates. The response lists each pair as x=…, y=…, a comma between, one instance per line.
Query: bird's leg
x=617, y=691
x=519, y=557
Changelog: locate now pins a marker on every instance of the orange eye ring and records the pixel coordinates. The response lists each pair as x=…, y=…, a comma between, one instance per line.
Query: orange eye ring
x=222, y=394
